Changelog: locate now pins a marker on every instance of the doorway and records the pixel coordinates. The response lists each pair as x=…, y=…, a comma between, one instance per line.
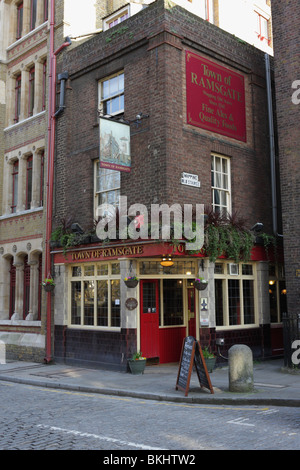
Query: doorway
x=149, y=318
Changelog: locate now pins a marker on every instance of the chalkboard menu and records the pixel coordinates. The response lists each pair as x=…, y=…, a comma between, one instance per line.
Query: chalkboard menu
x=191, y=355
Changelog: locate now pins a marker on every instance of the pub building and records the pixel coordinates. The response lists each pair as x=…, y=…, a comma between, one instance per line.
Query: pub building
x=164, y=109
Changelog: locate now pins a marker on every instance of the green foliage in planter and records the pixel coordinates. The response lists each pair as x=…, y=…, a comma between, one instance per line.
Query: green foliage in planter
x=64, y=236
x=226, y=235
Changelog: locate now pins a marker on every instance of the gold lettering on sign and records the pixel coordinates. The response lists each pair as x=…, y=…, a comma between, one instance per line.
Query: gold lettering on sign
x=108, y=252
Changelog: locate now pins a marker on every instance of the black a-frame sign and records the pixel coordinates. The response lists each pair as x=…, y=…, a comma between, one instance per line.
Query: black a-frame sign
x=191, y=355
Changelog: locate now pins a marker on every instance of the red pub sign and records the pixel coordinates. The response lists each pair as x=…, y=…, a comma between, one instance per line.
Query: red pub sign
x=215, y=97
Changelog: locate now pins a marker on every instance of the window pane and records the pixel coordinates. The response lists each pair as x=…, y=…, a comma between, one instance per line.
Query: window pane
x=76, y=271
x=75, y=303
x=115, y=268
x=247, y=269
x=114, y=105
x=113, y=86
x=115, y=303
x=102, y=269
x=88, y=305
x=89, y=270
x=282, y=298
x=105, y=89
x=173, y=302
x=149, y=297
x=273, y=302
x=219, y=302
x=102, y=303
x=29, y=184
x=121, y=82
x=234, y=302
x=248, y=299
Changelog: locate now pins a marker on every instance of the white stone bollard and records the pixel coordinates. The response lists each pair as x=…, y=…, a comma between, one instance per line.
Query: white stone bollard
x=240, y=360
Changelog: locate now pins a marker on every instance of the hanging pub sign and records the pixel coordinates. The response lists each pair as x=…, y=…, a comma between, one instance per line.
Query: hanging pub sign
x=215, y=97
x=114, y=145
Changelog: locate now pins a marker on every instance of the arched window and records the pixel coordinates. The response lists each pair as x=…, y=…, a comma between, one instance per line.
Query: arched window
x=19, y=20
x=12, y=288
x=26, y=291
x=15, y=178
x=28, y=182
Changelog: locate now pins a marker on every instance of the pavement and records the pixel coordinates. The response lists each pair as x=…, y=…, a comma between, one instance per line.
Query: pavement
x=274, y=385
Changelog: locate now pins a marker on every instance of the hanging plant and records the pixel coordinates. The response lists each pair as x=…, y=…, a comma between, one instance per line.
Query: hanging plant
x=200, y=283
x=131, y=281
x=48, y=284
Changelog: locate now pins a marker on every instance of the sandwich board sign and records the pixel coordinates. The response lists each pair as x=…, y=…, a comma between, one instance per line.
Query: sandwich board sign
x=191, y=355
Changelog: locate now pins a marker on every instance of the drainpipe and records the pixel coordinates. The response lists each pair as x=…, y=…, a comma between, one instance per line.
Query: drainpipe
x=51, y=145
x=272, y=147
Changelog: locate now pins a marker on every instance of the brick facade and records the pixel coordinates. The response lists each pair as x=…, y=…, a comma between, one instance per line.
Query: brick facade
x=286, y=20
x=150, y=48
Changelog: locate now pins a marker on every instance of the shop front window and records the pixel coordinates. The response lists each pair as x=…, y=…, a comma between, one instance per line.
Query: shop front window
x=95, y=295
x=234, y=294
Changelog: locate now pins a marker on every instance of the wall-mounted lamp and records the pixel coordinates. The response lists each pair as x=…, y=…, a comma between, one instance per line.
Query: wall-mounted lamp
x=272, y=282
x=166, y=261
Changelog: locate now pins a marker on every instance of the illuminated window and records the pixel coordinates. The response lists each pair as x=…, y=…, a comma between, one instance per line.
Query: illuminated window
x=95, y=295
x=234, y=294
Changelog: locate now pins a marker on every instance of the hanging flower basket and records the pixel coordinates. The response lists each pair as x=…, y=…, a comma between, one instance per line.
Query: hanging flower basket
x=131, y=281
x=200, y=284
x=48, y=285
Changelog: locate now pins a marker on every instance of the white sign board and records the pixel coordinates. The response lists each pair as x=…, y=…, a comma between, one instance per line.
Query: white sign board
x=190, y=180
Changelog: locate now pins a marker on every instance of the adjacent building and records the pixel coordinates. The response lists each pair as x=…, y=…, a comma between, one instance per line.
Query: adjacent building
x=286, y=40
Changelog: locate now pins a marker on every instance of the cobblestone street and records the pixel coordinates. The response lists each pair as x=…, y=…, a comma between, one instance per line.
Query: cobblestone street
x=53, y=419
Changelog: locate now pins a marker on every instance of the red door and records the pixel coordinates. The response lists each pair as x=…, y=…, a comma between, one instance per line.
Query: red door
x=149, y=318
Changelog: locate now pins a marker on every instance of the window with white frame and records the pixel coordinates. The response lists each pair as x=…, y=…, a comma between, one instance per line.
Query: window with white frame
x=111, y=95
x=235, y=294
x=107, y=188
x=116, y=18
x=95, y=295
x=263, y=28
x=220, y=184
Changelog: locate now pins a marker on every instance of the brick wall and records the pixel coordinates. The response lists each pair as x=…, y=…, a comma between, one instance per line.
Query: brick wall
x=150, y=48
x=286, y=31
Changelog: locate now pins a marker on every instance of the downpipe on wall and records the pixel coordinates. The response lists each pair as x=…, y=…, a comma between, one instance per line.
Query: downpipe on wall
x=50, y=168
